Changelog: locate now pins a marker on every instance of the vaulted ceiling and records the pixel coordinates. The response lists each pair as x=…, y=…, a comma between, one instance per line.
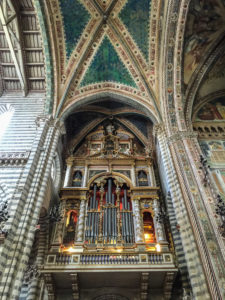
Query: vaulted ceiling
x=126, y=49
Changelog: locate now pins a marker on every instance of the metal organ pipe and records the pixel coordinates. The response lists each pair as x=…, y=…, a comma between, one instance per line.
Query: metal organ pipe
x=106, y=222
x=110, y=190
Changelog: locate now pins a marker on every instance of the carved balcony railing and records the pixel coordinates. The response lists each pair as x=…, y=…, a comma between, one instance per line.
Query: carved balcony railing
x=62, y=259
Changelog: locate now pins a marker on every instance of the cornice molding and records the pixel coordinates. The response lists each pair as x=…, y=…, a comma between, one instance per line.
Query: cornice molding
x=13, y=159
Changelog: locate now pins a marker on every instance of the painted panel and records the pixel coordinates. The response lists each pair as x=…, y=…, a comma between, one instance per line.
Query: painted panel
x=214, y=110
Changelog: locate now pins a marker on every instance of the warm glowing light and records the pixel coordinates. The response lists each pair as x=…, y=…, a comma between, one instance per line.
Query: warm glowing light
x=151, y=249
x=147, y=236
x=119, y=250
x=158, y=247
x=71, y=250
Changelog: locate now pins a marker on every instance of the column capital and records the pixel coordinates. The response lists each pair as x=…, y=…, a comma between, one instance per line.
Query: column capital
x=181, y=135
x=69, y=161
x=158, y=128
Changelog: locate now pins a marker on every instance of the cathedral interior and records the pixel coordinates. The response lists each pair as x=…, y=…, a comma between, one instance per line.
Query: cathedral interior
x=112, y=149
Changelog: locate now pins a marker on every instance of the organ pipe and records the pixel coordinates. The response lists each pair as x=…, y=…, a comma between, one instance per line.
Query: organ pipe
x=107, y=221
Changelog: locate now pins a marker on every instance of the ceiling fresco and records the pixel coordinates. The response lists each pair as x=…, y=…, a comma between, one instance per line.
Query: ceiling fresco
x=75, y=17
x=205, y=24
x=136, y=16
x=107, y=66
x=214, y=81
x=105, y=45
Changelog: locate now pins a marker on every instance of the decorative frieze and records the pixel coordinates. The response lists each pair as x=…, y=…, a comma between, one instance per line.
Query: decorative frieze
x=138, y=193
x=13, y=158
x=181, y=135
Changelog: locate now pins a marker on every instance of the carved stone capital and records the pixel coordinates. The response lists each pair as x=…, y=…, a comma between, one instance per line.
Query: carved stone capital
x=69, y=161
x=181, y=135
x=42, y=119
x=158, y=128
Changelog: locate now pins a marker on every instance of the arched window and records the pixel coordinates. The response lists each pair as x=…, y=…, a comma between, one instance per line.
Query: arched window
x=149, y=231
x=77, y=179
x=142, y=178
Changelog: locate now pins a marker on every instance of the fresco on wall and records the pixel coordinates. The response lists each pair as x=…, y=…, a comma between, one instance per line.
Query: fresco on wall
x=205, y=23
x=107, y=66
x=214, y=110
x=217, y=71
x=135, y=16
x=214, y=151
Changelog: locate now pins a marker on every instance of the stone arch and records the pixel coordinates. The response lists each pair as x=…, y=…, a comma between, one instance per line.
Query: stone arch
x=134, y=102
x=112, y=174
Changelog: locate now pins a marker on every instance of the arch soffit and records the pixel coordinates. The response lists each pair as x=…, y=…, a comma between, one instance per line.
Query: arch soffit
x=77, y=103
x=87, y=129
x=170, y=93
x=175, y=82
x=110, y=174
x=84, y=132
x=115, y=112
x=215, y=51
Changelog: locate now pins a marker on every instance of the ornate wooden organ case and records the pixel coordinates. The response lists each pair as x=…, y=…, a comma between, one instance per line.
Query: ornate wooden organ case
x=110, y=198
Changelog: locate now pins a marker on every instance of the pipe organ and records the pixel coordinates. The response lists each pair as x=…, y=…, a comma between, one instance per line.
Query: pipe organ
x=113, y=209
x=109, y=217
x=110, y=211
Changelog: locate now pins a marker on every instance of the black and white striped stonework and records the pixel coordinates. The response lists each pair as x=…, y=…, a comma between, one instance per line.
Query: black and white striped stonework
x=188, y=249
x=178, y=244
x=20, y=134
x=28, y=188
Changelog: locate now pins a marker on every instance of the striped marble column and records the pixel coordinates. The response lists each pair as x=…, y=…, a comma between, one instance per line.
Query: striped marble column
x=29, y=195
x=190, y=252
